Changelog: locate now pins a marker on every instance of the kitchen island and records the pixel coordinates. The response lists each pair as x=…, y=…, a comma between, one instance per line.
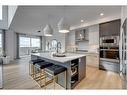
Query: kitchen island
x=75, y=64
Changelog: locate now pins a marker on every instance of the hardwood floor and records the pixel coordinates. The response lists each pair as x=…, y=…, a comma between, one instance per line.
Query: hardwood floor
x=99, y=79
x=16, y=77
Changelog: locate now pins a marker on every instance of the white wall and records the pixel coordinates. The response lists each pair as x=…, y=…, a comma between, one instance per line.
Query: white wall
x=7, y=16
x=11, y=13
x=4, y=21
x=11, y=44
x=10, y=35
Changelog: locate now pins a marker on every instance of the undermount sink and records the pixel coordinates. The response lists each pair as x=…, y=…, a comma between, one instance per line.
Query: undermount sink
x=59, y=55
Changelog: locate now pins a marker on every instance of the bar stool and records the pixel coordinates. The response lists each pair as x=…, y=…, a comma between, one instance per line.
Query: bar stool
x=54, y=71
x=32, y=67
x=40, y=72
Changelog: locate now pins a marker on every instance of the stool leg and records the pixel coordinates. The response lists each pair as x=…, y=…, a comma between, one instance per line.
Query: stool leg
x=65, y=80
x=34, y=73
x=54, y=80
x=29, y=70
x=40, y=78
x=44, y=78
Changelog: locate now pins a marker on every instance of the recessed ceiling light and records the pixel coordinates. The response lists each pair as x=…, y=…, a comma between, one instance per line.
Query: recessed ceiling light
x=82, y=20
x=101, y=14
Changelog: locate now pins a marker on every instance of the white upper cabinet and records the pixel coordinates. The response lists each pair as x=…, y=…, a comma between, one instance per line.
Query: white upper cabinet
x=71, y=38
x=94, y=35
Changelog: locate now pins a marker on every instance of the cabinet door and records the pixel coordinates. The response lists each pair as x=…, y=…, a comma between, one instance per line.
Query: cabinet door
x=104, y=28
x=94, y=35
x=71, y=38
x=91, y=37
x=114, y=27
x=110, y=28
x=110, y=66
x=82, y=68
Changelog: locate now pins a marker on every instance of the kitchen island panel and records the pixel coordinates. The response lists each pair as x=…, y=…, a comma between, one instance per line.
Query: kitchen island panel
x=68, y=64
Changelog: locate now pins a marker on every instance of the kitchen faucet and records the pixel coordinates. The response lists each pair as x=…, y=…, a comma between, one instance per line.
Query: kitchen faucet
x=58, y=47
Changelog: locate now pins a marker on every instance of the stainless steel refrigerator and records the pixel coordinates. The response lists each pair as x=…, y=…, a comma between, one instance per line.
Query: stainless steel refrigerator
x=1, y=73
x=123, y=54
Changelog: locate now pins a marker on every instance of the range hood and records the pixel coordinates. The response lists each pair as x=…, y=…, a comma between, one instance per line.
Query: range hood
x=82, y=35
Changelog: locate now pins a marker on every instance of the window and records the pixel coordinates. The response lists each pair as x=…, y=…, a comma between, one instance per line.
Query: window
x=24, y=42
x=35, y=42
x=27, y=45
x=0, y=12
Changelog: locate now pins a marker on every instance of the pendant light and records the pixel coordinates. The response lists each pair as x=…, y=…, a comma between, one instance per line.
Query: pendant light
x=48, y=30
x=63, y=26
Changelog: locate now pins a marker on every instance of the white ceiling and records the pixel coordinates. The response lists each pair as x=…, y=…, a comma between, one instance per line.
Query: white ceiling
x=29, y=19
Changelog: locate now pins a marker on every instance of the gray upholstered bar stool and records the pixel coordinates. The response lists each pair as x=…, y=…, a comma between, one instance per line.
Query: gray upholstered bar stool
x=54, y=71
x=32, y=66
x=40, y=72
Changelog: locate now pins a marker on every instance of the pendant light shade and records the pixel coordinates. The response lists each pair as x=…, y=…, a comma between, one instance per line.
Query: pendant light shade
x=63, y=26
x=48, y=31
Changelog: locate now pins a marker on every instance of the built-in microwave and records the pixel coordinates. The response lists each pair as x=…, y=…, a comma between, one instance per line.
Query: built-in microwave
x=109, y=41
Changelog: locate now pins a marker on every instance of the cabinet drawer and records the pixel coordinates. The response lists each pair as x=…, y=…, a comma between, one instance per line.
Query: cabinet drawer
x=111, y=66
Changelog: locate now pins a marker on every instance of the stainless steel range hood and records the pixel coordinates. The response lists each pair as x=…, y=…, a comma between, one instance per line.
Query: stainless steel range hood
x=82, y=35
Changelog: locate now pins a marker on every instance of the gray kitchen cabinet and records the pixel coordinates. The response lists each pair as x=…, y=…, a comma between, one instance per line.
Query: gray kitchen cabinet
x=82, y=68
x=109, y=28
x=111, y=66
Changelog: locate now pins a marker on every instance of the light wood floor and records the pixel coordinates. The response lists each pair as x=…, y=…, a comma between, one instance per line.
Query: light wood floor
x=16, y=77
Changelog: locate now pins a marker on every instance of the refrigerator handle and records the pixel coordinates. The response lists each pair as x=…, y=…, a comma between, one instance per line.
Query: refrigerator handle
x=121, y=50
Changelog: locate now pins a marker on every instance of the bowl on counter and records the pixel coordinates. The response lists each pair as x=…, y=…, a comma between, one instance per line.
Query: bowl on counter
x=59, y=55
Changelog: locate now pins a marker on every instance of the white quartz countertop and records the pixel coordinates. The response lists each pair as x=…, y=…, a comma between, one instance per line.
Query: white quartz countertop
x=68, y=57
